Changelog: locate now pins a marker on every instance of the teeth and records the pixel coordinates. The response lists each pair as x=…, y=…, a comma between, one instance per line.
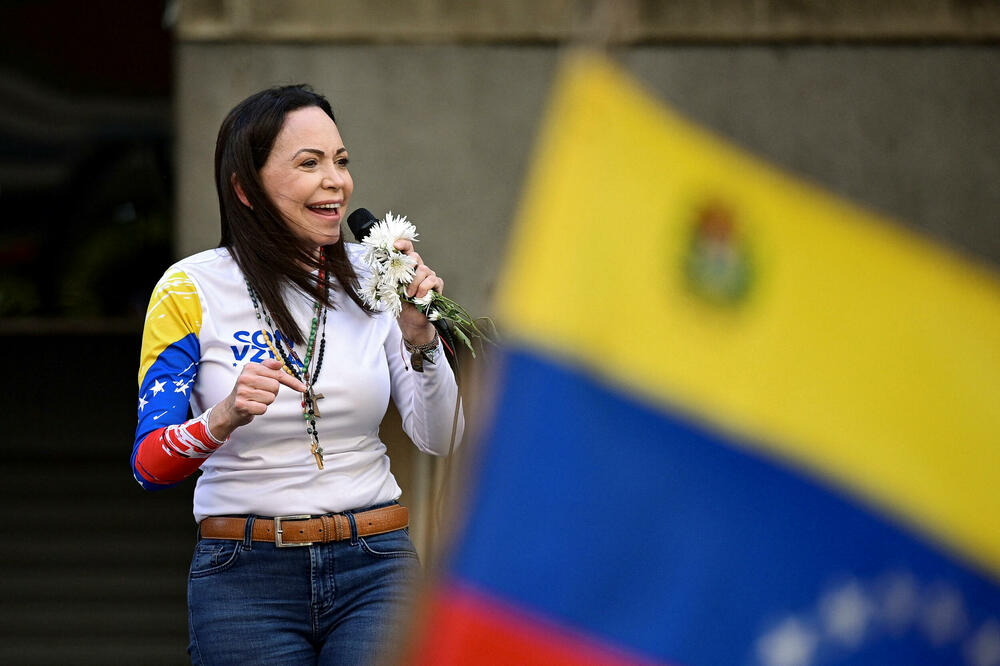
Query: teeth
x=333, y=205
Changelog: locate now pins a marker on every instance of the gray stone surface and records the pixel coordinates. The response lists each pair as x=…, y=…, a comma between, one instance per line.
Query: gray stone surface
x=444, y=133
x=621, y=21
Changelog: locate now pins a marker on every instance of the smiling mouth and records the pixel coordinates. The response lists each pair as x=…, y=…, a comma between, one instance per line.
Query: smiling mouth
x=327, y=210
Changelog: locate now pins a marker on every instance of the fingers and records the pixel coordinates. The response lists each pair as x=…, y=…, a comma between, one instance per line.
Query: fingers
x=271, y=368
x=256, y=388
x=424, y=279
x=291, y=382
x=271, y=363
x=439, y=285
x=250, y=407
x=420, y=289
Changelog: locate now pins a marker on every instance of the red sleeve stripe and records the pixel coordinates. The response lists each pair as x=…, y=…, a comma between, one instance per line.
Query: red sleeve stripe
x=173, y=453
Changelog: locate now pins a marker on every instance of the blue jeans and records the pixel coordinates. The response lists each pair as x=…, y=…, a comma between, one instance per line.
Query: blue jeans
x=250, y=602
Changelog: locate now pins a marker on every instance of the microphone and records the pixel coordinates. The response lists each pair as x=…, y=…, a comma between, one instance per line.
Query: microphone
x=361, y=222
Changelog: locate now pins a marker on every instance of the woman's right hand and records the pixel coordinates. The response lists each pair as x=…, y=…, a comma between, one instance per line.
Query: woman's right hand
x=255, y=389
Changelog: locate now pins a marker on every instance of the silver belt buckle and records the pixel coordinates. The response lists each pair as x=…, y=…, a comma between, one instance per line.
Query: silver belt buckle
x=278, y=532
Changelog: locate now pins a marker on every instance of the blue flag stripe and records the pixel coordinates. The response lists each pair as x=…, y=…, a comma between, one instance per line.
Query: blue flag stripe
x=712, y=540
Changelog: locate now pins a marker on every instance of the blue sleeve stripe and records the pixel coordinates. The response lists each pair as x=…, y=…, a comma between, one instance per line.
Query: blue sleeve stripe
x=165, y=394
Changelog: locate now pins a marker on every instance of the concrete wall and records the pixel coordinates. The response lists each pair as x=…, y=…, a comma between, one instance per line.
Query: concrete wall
x=443, y=133
x=623, y=21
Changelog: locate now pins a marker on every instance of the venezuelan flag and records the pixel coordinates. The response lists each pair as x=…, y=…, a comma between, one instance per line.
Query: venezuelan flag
x=738, y=421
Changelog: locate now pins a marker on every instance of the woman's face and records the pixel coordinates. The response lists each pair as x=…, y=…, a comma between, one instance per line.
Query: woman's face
x=306, y=176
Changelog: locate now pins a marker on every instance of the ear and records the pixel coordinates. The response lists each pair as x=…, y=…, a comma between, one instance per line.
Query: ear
x=239, y=191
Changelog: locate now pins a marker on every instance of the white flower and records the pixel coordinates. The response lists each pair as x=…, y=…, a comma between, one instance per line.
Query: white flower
x=426, y=299
x=377, y=241
x=392, y=302
x=369, y=291
x=374, y=255
x=398, y=228
x=383, y=289
x=383, y=235
x=380, y=293
x=399, y=268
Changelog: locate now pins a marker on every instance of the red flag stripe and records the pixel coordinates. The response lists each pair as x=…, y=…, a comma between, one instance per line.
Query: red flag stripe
x=466, y=627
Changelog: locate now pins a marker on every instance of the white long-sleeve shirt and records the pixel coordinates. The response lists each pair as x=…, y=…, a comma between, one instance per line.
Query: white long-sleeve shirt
x=201, y=330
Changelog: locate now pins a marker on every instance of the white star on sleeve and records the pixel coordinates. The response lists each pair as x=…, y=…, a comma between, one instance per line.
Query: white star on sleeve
x=158, y=386
x=182, y=387
x=142, y=402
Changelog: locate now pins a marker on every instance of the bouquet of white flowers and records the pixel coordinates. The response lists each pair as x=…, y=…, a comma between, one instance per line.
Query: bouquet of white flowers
x=392, y=271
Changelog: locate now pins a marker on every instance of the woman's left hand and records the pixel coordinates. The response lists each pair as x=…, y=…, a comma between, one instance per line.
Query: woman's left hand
x=416, y=328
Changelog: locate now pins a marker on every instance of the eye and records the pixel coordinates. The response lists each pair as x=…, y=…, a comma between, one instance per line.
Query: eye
x=343, y=161
x=310, y=163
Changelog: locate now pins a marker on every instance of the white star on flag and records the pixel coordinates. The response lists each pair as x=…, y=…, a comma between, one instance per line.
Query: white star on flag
x=182, y=387
x=943, y=617
x=791, y=643
x=158, y=386
x=845, y=613
x=983, y=649
x=899, y=601
x=142, y=402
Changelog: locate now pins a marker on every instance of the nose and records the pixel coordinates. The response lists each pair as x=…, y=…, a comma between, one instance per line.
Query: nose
x=333, y=179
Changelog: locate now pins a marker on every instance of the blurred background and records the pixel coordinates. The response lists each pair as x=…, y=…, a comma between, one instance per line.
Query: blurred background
x=108, y=116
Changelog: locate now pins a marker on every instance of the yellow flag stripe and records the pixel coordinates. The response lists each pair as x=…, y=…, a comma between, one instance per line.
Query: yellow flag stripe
x=860, y=351
x=174, y=311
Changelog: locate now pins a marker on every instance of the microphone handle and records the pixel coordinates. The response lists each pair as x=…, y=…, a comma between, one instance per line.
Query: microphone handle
x=443, y=329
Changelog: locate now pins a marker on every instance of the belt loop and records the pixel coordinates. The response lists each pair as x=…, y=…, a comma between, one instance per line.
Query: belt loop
x=354, y=528
x=328, y=532
x=248, y=533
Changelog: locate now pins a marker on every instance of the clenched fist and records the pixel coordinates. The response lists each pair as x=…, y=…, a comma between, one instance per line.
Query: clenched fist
x=255, y=389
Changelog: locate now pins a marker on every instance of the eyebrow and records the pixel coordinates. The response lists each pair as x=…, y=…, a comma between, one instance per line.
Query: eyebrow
x=317, y=151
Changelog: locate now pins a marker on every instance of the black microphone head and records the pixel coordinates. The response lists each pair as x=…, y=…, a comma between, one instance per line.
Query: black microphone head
x=361, y=222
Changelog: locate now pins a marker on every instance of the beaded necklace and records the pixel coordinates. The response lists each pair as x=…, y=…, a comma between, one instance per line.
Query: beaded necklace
x=310, y=404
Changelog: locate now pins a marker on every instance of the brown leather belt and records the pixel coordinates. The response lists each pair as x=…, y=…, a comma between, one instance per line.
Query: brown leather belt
x=286, y=531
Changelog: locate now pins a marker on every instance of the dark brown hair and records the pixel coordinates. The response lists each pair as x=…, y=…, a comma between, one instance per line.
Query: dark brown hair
x=258, y=238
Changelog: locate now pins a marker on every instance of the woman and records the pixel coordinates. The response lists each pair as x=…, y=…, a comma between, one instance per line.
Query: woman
x=289, y=373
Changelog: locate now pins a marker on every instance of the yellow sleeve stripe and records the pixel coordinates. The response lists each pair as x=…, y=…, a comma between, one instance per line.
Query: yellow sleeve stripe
x=858, y=350
x=174, y=312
